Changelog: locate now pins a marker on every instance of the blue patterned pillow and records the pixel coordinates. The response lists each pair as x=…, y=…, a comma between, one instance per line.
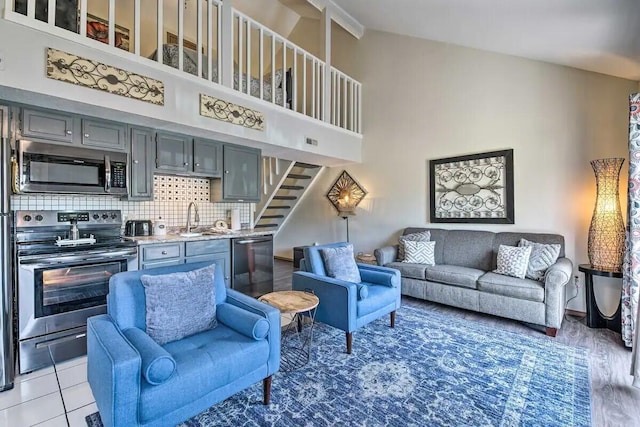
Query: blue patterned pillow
x=179, y=304
x=340, y=264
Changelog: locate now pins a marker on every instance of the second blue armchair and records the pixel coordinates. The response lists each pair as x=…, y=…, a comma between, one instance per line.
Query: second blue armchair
x=346, y=305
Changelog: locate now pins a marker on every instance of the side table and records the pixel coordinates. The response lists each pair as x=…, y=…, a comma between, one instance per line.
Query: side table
x=595, y=318
x=295, y=346
x=363, y=258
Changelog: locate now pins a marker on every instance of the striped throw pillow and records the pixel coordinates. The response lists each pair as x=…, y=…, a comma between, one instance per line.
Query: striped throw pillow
x=542, y=257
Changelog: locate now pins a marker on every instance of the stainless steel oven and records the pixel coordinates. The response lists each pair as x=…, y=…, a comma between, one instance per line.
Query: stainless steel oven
x=50, y=168
x=63, y=281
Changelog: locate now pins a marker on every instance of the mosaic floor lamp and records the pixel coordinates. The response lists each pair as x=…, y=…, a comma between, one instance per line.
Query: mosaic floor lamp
x=345, y=194
x=606, y=233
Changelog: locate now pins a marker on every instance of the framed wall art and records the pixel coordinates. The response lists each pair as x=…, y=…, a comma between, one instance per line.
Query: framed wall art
x=476, y=188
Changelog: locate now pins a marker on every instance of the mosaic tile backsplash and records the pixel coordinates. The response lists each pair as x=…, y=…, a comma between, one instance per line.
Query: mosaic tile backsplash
x=172, y=195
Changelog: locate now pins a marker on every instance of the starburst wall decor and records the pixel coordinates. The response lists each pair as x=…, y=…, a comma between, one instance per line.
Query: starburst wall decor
x=345, y=194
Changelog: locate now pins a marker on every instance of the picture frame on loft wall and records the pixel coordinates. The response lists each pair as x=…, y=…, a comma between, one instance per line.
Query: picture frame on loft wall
x=475, y=188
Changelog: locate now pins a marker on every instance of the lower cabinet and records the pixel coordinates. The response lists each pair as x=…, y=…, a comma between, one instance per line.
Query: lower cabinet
x=168, y=254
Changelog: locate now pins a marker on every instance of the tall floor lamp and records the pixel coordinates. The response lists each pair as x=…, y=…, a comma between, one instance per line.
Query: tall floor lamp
x=345, y=194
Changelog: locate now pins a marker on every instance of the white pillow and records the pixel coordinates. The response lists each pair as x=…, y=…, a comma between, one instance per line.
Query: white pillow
x=513, y=261
x=419, y=252
x=542, y=257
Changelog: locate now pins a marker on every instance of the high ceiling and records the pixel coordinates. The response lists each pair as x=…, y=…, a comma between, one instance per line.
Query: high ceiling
x=595, y=35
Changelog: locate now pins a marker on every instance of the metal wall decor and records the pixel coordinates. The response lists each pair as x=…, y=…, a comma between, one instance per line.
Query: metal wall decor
x=85, y=72
x=477, y=188
x=345, y=194
x=219, y=109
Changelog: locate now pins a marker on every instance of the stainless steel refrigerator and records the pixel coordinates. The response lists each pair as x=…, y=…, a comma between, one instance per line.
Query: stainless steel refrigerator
x=7, y=368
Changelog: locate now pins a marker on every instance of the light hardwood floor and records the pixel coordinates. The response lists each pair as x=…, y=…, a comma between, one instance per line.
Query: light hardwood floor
x=614, y=402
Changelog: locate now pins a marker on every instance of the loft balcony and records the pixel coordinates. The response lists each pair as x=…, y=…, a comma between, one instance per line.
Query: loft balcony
x=312, y=111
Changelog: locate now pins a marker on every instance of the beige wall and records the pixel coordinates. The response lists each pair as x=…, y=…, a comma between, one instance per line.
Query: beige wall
x=426, y=100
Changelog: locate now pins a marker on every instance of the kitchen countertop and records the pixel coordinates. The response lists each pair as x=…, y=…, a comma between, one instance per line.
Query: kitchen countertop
x=176, y=237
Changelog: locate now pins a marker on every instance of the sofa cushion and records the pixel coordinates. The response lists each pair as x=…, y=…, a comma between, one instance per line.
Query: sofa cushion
x=198, y=360
x=499, y=284
x=411, y=271
x=179, y=304
x=542, y=257
x=421, y=236
x=454, y=275
x=419, y=252
x=513, y=261
x=379, y=296
x=340, y=263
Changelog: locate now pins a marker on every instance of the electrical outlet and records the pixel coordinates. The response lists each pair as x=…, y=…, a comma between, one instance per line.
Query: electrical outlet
x=576, y=282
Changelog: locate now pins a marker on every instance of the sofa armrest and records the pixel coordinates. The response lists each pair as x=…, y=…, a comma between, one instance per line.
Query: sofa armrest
x=272, y=315
x=338, y=299
x=555, y=279
x=386, y=254
x=113, y=372
x=249, y=324
x=379, y=275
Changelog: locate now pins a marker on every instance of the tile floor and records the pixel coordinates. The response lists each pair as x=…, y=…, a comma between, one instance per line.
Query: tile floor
x=53, y=397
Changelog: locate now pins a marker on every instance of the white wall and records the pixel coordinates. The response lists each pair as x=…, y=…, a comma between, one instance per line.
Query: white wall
x=427, y=100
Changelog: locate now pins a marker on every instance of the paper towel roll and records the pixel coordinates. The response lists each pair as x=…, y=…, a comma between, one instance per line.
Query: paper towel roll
x=235, y=219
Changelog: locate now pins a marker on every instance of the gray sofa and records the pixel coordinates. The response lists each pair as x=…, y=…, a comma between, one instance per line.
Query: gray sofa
x=463, y=277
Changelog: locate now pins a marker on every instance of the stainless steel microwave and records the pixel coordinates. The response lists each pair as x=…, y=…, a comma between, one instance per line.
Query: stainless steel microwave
x=51, y=168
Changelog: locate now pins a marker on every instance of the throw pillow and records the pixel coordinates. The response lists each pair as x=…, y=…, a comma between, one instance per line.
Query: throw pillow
x=420, y=252
x=157, y=364
x=513, y=261
x=421, y=236
x=542, y=257
x=179, y=304
x=340, y=263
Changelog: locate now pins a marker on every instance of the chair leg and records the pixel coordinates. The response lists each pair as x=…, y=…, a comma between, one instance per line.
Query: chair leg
x=266, y=387
x=349, y=342
x=393, y=319
x=552, y=332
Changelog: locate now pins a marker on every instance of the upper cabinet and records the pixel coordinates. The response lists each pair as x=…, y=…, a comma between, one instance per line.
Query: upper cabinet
x=174, y=153
x=48, y=125
x=241, y=175
x=207, y=157
x=63, y=128
x=98, y=133
x=141, y=170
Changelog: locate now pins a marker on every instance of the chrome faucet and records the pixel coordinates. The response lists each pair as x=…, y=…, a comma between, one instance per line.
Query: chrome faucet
x=196, y=219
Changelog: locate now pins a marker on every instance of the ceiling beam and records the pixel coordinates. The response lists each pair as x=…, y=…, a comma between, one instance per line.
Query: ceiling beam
x=340, y=16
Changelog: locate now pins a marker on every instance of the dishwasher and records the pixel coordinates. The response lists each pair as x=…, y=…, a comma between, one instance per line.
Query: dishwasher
x=252, y=265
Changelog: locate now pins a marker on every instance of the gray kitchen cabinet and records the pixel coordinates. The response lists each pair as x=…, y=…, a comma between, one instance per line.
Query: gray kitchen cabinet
x=48, y=125
x=103, y=134
x=241, y=175
x=207, y=158
x=141, y=168
x=174, y=153
x=168, y=254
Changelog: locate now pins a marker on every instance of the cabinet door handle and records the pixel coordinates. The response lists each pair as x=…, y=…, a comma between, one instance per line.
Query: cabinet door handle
x=186, y=164
x=136, y=162
x=69, y=132
x=86, y=135
x=197, y=164
x=164, y=252
x=226, y=171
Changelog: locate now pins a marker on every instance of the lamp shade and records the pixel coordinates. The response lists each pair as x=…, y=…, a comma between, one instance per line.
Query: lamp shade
x=606, y=233
x=345, y=194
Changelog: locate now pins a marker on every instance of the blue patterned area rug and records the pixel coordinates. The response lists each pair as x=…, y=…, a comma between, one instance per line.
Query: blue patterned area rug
x=431, y=370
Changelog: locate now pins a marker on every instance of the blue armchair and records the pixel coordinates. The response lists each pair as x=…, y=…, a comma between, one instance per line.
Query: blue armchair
x=346, y=305
x=137, y=382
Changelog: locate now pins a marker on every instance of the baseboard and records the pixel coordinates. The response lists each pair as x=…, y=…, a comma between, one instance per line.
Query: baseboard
x=283, y=258
x=575, y=313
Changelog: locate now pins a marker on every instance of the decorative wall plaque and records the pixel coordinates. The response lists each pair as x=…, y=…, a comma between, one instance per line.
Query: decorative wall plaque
x=80, y=71
x=473, y=189
x=219, y=109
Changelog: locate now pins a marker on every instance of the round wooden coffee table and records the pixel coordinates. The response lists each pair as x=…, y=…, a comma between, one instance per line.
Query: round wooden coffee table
x=295, y=344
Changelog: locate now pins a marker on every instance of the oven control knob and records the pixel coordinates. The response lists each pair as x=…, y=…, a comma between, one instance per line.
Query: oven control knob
x=114, y=216
x=105, y=216
x=39, y=217
x=27, y=218
x=96, y=216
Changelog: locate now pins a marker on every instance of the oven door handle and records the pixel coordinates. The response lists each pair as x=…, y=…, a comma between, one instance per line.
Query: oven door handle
x=37, y=262
x=107, y=174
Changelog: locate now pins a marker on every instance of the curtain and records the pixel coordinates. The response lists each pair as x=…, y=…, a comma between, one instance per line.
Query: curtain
x=631, y=268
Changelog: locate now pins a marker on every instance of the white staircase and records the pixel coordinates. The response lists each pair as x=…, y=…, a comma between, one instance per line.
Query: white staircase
x=284, y=184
